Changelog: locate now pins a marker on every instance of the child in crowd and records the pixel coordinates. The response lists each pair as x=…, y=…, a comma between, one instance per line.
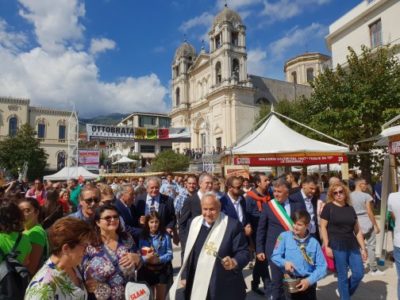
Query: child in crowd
x=156, y=248
x=300, y=256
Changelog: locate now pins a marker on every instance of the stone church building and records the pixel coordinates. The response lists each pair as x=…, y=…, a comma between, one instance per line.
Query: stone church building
x=213, y=94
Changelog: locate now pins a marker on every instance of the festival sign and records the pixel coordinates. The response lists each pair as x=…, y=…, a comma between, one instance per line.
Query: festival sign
x=112, y=132
x=96, y=131
x=276, y=160
x=89, y=159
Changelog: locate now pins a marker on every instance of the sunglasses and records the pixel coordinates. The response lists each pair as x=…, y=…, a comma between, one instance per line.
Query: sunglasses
x=341, y=192
x=91, y=200
x=109, y=218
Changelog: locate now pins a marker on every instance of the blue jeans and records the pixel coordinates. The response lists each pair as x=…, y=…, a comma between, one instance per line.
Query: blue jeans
x=396, y=255
x=345, y=259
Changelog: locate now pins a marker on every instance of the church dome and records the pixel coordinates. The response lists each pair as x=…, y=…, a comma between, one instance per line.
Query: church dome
x=185, y=50
x=227, y=15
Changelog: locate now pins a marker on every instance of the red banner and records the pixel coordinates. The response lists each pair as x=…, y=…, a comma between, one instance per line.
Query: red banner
x=289, y=160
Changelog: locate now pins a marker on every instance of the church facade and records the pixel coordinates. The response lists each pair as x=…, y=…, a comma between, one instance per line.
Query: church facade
x=212, y=92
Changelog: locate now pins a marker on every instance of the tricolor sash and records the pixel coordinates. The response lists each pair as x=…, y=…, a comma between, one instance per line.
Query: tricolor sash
x=281, y=214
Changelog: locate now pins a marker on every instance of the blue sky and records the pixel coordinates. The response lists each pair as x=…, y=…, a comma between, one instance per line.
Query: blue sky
x=104, y=56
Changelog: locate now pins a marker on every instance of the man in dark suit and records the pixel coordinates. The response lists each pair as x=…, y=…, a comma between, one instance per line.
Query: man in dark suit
x=152, y=200
x=254, y=204
x=234, y=205
x=269, y=228
x=191, y=207
x=214, y=274
x=126, y=211
x=307, y=194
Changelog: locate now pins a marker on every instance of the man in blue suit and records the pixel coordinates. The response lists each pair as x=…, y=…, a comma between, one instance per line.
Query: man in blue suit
x=126, y=210
x=270, y=226
x=234, y=205
x=153, y=200
x=307, y=194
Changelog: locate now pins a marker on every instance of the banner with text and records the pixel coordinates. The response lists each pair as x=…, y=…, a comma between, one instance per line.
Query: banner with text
x=112, y=132
x=289, y=160
x=89, y=159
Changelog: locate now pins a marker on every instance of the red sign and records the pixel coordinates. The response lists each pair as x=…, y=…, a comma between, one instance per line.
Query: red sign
x=394, y=147
x=289, y=160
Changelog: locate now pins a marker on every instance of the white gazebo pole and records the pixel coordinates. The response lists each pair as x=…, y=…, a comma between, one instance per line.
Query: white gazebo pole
x=73, y=135
x=386, y=189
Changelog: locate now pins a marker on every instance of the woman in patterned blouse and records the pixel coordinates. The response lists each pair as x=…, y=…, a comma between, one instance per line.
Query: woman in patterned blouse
x=111, y=260
x=59, y=277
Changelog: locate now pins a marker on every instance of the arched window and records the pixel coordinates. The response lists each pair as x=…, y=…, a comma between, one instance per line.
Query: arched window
x=60, y=160
x=61, y=132
x=177, y=96
x=310, y=74
x=235, y=69
x=218, y=75
x=263, y=101
x=12, y=126
x=41, y=130
x=294, y=77
x=235, y=38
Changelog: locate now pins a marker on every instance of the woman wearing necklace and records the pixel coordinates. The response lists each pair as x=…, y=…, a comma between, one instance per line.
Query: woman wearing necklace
x=343, y=239
x=155, y=245
x=111, y=260
x=59, y=277
x=300, y=257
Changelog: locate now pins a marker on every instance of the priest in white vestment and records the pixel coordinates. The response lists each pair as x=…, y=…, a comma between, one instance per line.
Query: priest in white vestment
x=216, y=253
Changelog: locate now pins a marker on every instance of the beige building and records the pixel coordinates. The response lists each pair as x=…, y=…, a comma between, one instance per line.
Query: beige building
x=212, y=93
x=305, y=67
x=50, y=124
x=371, y=23
x=147, y=148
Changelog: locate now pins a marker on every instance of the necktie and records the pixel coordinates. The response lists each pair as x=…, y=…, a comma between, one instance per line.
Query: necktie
x=152, y=207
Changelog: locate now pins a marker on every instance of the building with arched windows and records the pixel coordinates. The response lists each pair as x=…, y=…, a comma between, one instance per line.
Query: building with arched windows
x=212, y=92
x=305, y=67
x=51, y=127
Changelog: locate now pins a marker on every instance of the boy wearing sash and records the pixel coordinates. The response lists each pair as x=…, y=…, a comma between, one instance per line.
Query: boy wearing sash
x=216, y=252
x=273, y=221
x=300, y=257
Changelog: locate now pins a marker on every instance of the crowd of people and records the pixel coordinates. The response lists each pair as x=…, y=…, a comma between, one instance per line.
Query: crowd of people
x=87, y=240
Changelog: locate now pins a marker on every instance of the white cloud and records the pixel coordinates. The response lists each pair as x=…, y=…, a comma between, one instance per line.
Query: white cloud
x=11, y=40
x=285, y=9
x=101, y=45
x=257, y=62
x=296, y=37
x=205, y=19
x=56, y=23
x=60, y=71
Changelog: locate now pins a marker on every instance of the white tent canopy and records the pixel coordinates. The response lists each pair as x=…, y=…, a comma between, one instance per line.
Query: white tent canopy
x=124, y=160
x=71, y=172
x=274, y=137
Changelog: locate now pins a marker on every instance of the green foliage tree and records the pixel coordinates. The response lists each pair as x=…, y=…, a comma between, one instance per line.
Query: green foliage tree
x=14, y=151
x=350, y=103
x=170, y=161
x=353, y=101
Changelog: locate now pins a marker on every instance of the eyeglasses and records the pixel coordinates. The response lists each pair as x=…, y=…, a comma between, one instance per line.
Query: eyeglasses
x=341, y=192
x=91, y=200
x=109, y=218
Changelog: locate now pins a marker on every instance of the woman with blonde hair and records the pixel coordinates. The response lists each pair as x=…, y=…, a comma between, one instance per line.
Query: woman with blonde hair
x=343, y=239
